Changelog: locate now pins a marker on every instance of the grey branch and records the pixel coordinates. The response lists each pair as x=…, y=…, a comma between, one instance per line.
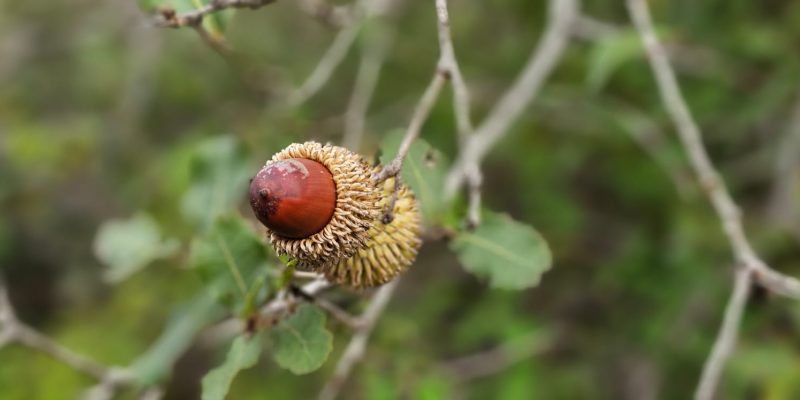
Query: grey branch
x=446, y=69
x=358, y=344
x=324, y=70
x=337, y=51
x=373, y=55
x=519, y=95
x=726, y=339
x=498, y=359
x=14, y=331
x=715, y=189
x=421, y=113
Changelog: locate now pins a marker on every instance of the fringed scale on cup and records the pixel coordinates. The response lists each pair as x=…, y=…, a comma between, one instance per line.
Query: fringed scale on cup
x=390, y=249
x=358, y=205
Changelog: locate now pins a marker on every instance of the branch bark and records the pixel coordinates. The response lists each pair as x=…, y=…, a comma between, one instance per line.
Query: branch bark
x=510, y=107
x=358, y=344
x=726, y=209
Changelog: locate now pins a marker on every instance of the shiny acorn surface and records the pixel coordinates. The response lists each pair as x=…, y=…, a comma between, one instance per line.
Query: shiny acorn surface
x=295, y=198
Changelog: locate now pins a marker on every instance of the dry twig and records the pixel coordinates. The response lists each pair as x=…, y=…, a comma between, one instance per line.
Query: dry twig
x=358, y=344
x=497, y=359
x=446, y=69
x=13, y=331
x=518, y=96
x=726, y=209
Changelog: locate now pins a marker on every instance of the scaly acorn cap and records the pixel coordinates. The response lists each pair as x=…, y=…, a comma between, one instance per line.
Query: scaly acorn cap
x=357, y=206
x=391, y=247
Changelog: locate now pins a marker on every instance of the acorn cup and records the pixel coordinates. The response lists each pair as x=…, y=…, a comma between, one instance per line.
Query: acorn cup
x=391, y=248
x=321, y=208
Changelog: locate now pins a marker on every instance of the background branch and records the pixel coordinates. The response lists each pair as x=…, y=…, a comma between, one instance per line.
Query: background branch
x=14, y=331
x=726, y=339
x=518, y=96
x=497, y=359
x=717, y=193
x=357, y=347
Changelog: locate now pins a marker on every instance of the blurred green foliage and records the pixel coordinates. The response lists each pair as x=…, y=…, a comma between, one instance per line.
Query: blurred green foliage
x=102, y=118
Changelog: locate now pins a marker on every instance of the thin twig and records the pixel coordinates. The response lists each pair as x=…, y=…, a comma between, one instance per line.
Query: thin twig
x=421, y=113
x=448, y=62
x=358, y=343
x=519, y=95
x=715, y=188
x=338, y=313
x=500, y=358
x=374, y=51
x=446, y=69
x=324, y=70
x=726, y=339
x=461, y=108
x=14, y=331
x=170, y=19
x=709, y=178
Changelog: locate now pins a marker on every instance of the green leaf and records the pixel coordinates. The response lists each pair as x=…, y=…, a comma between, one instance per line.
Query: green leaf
x=423, y=170
x=243, y=354
x=220, y=172
x=609, y=54
x=126, y=246
x=154, y=365
x=178, y=5
x=229, y=260
x=301, y=342
x=510, y=254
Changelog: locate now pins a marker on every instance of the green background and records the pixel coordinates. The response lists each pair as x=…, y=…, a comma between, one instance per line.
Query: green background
x=102, y=117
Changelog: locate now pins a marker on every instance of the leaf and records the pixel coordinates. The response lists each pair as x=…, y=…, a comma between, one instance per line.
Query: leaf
x=178, y=5
x=609, y=54
x=229, y=259
x=220, y=172
x=423, y=170
x=510, y=254
x=243, y=354
x=126, y=246
x=156, y=363
x=301, y=342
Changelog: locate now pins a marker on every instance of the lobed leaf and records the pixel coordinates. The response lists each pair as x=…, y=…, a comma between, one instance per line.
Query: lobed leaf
x=127, y=246
x=229, y=260
x=243, y=354
x=510, y=254
x=301, y=342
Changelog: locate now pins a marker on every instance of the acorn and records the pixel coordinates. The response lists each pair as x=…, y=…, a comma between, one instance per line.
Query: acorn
x=322, y=208
x=390, y=250
x=317, y=201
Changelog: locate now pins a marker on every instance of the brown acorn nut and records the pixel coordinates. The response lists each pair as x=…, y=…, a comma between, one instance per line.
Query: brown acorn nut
x=296, y=208
x=390, y=250
x=294, y=198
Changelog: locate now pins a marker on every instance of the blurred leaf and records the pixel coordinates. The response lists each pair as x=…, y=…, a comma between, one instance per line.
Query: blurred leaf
x=243, y=354
x=423, y=170
x=219, y=21
x=178, y=5
x=609, y=53
x=220, y=173
x=433, y=387
x=157, y=362
x=301, y=342
x=229, y=259
x=126, y=246
x=510, y=254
